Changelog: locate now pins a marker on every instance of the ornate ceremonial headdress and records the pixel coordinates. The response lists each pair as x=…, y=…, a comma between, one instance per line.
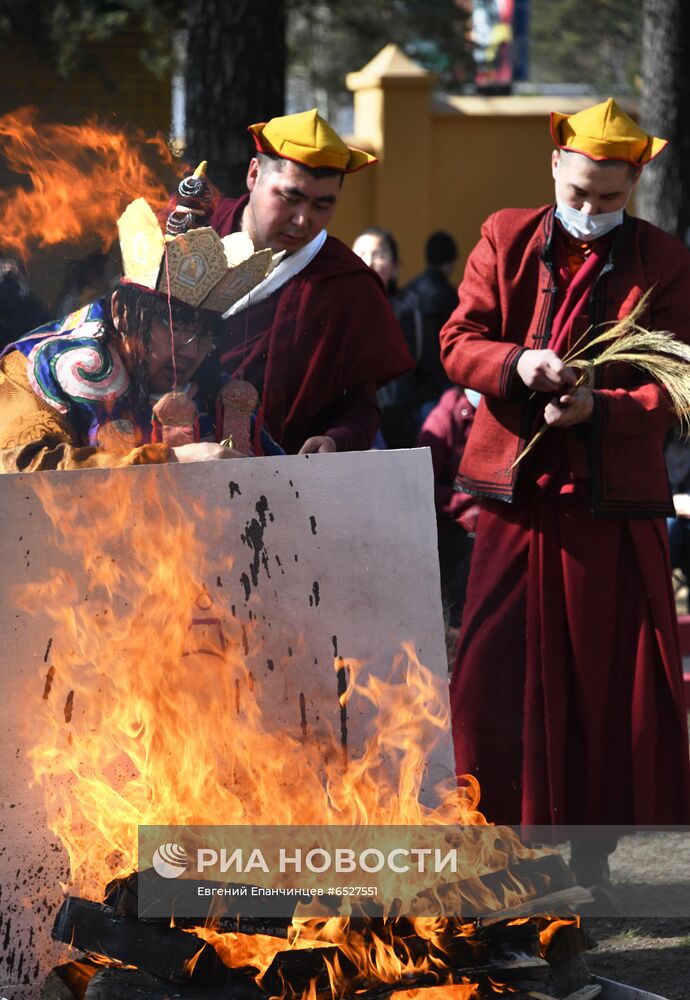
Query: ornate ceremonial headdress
x=605, y=132
x=197, y=267
x=307, y=138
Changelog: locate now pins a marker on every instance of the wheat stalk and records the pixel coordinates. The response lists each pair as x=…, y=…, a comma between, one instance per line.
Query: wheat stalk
x=657, y=353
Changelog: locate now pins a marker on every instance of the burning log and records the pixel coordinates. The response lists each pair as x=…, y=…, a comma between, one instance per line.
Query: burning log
x=293, y=973
x=68, y=981
x=563, y=944
x=563, y=903
x=132, y=984
x=480, y=896
x=497, y=943
x=162, y=951
x=498, y=957
x=122, y=896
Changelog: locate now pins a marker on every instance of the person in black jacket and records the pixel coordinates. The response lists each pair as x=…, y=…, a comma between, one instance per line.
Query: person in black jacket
x=436, y=295
x=436, y=298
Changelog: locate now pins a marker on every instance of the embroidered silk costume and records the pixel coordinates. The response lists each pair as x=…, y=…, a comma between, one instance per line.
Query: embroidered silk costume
x=64, y=396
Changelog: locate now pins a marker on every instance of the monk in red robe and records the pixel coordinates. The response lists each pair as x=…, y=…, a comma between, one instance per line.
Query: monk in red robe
x=318, y=337
x=566, y=695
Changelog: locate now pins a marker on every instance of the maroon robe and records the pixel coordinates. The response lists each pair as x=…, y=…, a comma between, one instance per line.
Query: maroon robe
x=317, y=347
x=566, y=695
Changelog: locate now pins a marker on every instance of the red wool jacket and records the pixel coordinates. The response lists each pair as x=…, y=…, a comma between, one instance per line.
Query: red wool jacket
x=507, y=304
x=445, y=431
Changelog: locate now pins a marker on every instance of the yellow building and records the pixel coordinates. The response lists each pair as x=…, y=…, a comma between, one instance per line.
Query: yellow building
x=445, y=162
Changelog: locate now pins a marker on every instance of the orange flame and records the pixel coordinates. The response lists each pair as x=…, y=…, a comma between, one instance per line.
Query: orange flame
x=191, y=963
x=162, y=729
x=81, y=178
x=547, y=933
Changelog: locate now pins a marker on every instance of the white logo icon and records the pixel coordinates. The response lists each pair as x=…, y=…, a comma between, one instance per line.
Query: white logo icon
x=170, y=860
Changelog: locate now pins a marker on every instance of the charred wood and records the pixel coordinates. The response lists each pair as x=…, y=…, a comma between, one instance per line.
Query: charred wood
x=68, y=981
x=162, y=951
x=54, y=988
x=122, y=896
x=478, y=897
x=133, y=984
x=292, y=973
x=556, y=904
x=496, y=942
x=482, y=895
x=564, y=953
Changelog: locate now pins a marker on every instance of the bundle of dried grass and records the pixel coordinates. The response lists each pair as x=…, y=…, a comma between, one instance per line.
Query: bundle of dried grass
x=657, y=353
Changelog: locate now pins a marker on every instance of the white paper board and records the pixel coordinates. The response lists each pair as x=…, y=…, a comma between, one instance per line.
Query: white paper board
x=338, y=552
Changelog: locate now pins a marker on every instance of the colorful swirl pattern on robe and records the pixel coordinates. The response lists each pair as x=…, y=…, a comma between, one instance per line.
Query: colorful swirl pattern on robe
x=83, y=369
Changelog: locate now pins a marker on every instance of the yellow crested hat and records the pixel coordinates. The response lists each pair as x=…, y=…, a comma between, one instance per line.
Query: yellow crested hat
x=307, y=138
x=605, y=132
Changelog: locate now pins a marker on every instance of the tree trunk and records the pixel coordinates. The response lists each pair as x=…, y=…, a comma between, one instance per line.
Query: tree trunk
x=235, y=76
x=664, y=188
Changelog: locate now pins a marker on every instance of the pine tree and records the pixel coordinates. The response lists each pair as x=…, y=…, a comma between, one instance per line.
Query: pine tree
x=664, y=188
x=235, y=75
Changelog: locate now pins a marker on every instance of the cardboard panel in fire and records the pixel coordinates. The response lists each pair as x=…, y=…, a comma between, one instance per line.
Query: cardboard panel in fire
x=285, y=572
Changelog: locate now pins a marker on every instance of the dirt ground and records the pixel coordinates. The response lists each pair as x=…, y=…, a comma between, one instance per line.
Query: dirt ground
x=650, y=952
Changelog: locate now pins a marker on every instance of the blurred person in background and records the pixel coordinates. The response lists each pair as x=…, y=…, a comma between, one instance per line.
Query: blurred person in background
x=402, y=399
x=678, y=465
x=436, y=298
x=445, y=432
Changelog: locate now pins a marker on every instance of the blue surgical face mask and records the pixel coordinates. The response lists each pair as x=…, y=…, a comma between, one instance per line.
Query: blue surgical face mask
x=587, y=227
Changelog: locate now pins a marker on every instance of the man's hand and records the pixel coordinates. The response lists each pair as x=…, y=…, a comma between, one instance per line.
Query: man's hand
x=203, y=451
x=575, y=408
x=317, y=446
x=544, y=371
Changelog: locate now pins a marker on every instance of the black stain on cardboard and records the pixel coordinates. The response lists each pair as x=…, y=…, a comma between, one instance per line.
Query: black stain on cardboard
x=50, y=676
x=253, y=538
x=303, y=713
